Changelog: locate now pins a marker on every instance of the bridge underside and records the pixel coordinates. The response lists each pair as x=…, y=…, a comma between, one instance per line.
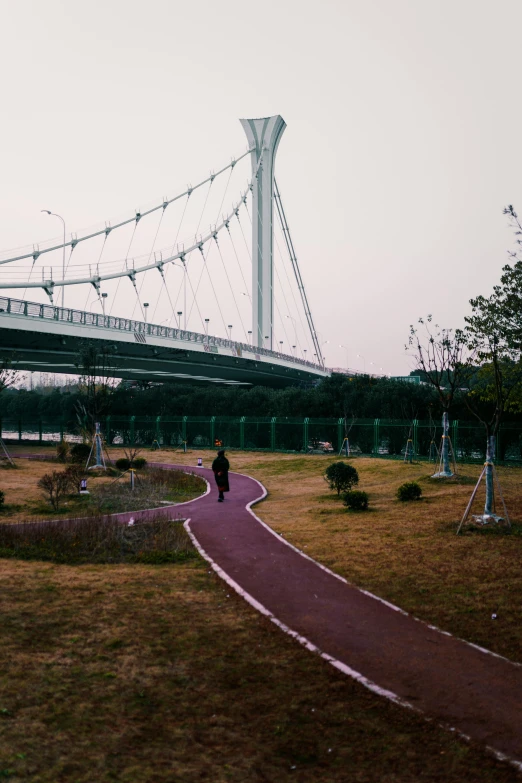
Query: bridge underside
x=58, y=347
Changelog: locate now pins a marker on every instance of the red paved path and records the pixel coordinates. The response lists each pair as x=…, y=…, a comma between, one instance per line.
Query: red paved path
x=473, y=691
x=477, y=693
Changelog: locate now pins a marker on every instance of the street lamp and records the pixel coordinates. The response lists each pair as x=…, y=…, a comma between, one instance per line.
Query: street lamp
x=104, y=297
x=250, y=336
x=179, y=314
x=145, y=306
x=206, y=326
x=230, y=331
x=325, y=343
x=346, y=349
x=360, y=356
x=63, y=257
x=293, y=349
x=281, y=344
x=295, y=327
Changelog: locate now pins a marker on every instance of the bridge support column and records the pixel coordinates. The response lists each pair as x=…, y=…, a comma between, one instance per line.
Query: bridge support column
x=263, y=137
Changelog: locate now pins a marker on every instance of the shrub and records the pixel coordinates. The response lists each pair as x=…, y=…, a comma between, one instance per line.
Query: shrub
x=341, y=476
x=2, y=498
x=62, y=450
x=55, y=485
x=80, y=452
x=123, y=463
x=356, y=500
x=73, y=475
x=139, y=463
x=410, y=490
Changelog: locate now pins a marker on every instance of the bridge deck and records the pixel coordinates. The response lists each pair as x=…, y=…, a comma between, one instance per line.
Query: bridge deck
x=50, y=339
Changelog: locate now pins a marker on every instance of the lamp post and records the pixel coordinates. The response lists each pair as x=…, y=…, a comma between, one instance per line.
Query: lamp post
x=104, y=297
x=250, y=337
x=293, y=350
x=281, y=349
x=295, y=327
x=179, y=314
x=304, y=351
x=230, y=331
x=325, y=343
x=360, y=356
x=63, y=256
x=346, y=349
x=145, y=306
x=206, y=326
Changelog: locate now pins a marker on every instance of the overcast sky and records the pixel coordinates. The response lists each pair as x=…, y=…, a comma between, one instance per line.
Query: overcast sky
x=400, y=153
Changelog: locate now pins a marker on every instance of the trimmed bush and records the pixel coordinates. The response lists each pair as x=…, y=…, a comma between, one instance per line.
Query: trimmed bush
x=80, y=452
x=139, y=463
x=410, y=490
x=341, y=476
x=356, y=500
x=123, y=463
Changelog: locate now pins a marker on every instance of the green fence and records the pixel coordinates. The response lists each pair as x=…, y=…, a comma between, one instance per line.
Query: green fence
x=377, y=437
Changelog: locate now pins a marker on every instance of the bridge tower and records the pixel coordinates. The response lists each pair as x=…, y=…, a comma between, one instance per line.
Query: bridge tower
x=263, y=136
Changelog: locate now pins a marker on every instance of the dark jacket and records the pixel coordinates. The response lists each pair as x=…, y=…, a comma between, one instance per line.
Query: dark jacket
x=220, y=466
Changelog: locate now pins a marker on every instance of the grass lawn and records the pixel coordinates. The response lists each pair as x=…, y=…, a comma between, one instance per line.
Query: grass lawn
x=140, y=673
x=24, y=500
x=152, y=674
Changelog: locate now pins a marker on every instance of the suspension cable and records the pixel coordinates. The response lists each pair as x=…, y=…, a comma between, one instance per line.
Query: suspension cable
x=49, y=283
x=297, y=272
x=37, y=251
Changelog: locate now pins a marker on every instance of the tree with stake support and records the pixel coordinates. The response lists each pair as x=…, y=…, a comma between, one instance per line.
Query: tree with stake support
x=439, y=355
x=494, y=382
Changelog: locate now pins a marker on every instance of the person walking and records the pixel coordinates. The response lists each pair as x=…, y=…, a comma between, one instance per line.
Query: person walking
x=220, y=466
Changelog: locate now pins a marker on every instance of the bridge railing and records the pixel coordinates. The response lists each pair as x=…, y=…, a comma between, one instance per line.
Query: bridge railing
x=97, y=320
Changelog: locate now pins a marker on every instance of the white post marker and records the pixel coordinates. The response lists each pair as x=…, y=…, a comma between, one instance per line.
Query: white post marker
x=200, y=462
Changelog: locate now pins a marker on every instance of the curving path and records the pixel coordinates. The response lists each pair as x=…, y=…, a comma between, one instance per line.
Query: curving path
x=472, y=690
x=465, y=687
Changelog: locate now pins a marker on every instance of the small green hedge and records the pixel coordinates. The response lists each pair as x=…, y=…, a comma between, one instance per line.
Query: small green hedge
x=410, y=490
x=356, y=500
x=80, y=452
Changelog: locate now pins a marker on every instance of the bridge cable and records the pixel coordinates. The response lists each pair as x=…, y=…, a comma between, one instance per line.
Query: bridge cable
x=293, y=258
x=163, y=276
x=142, y=281
x=238, y=262
x=274, y=298
x=126, y=272
x=208, y=252
x=231, y=289
x=184, y=261
x=36, y=251
x=125, y=262
x=291, y=289
x=98, y=267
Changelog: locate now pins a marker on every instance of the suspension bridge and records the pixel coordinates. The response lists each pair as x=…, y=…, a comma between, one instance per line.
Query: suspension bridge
x=160, y=260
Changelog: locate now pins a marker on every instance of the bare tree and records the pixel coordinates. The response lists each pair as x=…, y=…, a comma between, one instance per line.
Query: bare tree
x=8, y=374
x=440, y=354
x=96, y=363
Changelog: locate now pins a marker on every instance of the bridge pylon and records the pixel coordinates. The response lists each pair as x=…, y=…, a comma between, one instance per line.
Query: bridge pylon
x=263, y=136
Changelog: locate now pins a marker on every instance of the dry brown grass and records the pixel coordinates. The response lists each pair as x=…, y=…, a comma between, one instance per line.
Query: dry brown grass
x=24, y=500
x=158, y=675
x=407, y=553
